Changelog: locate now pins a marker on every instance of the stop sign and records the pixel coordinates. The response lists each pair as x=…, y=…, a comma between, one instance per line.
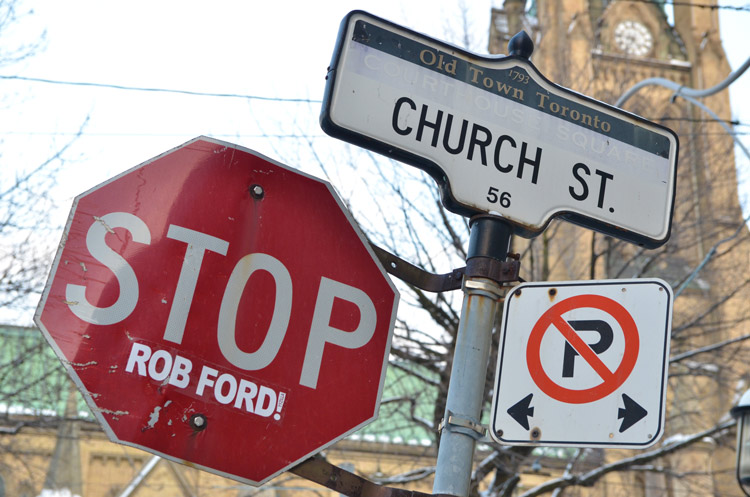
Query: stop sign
x=218, y=308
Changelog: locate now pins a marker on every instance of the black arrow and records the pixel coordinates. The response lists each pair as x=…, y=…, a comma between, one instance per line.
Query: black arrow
x=630, y=414
x=522, y=411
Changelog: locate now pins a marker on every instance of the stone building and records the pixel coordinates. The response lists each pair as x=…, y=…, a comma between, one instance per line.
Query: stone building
x=50, y=441
x=602, y=48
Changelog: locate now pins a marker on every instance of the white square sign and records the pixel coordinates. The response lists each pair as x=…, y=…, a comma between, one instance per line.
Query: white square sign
x=583, y=364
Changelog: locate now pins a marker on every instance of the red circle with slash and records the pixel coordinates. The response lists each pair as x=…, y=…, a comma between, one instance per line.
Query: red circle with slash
x=611, y=379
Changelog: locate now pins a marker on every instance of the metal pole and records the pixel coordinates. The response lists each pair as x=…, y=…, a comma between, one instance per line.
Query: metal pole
x=461, y=426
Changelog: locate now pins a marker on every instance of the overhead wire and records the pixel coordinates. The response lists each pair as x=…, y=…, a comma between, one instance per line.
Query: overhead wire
x=743, y=8
x=692, y=95
x=283, y=100
x=159, y=90
x=114, y=134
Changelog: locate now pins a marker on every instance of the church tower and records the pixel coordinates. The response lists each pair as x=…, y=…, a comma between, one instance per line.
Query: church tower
x=601, y=48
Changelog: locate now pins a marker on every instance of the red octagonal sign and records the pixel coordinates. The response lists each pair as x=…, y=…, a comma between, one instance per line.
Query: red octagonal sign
x=218, y=308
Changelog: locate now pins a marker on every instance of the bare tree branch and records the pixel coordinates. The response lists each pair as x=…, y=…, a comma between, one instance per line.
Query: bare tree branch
x=588, y=479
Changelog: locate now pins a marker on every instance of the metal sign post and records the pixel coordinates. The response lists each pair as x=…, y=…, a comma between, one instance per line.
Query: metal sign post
x=461, y=427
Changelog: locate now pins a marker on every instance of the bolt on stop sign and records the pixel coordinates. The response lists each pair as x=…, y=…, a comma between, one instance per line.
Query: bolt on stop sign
x=218, y=308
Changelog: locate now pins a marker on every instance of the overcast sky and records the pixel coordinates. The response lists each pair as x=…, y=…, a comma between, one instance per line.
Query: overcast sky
x=266, y=49
x=273, y=50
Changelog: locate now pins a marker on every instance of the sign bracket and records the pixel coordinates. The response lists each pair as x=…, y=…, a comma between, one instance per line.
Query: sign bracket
x=318, y=470
x=416, y=276
x=479, y=267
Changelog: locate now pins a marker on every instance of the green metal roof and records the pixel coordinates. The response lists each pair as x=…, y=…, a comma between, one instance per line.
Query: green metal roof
x=406, y=408
x=34, y=382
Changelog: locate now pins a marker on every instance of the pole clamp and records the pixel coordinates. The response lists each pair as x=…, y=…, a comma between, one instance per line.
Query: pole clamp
x=461, y=424
x=484, y=287
x=498, y=271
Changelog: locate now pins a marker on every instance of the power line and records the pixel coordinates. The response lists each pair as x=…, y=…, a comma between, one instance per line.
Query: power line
x=299, y=136
x=159, y=90
x=697, y=120
x=268, y=99
x=743, y=8
x=148, y=135
x=243, y=96
x=692, y=95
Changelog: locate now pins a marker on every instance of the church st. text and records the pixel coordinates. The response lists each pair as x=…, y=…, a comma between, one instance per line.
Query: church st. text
x=480, y=145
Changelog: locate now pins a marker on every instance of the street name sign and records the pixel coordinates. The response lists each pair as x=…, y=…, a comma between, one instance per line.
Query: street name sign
x=497, y=136
x=218, y=308
x=583, y=364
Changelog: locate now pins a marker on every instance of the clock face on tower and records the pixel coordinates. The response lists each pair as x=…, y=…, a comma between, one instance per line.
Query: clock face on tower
x=633, y=38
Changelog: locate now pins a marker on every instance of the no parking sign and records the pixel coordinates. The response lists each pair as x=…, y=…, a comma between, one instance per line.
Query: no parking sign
x=583, y=364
